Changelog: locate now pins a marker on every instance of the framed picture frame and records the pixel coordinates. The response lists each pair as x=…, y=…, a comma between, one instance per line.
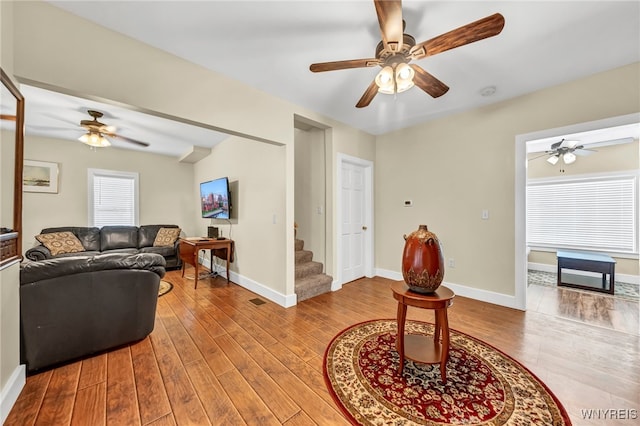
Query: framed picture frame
x=40, y=176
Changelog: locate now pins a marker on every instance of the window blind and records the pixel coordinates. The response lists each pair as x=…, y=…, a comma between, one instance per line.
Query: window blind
x=113, y=198
x=592, y=214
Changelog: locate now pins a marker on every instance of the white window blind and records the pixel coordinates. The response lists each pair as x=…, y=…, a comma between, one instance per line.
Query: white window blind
x=589, y=213
x=113, y=198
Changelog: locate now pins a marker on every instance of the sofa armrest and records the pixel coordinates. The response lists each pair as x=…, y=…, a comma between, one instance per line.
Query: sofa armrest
x=38, y=253
x=61, y=266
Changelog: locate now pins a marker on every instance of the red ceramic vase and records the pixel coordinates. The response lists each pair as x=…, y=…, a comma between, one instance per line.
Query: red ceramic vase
x=422, y=262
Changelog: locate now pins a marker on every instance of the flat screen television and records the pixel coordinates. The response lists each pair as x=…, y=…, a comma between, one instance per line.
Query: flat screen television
x=215, y=199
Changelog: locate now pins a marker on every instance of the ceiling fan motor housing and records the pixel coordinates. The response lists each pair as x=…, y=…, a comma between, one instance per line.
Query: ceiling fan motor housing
x=388, y=57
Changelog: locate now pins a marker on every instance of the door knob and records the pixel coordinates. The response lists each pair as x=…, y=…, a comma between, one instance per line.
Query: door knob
x=364, y=228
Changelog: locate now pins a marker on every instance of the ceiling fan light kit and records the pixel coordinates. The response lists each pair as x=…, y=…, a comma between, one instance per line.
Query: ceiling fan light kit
x=397, y=49
x=94, y=139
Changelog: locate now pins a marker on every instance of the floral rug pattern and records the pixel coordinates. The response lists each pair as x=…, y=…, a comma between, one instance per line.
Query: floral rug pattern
x=484, y=386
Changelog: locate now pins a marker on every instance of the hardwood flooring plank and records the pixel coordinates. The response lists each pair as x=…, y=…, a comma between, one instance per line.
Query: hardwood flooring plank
x=185, y=404
x=93, y=371
x=57, y=406
x=197, y=325
x=216, y=403
x=250, y=406
x=153, y=401
x=167, y=420
x=25, y=410
x=90, y=407
x=280, y=404
x=323, y=411
x=122, y=399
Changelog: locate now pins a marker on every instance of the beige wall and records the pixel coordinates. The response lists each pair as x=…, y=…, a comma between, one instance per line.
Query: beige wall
x=165, y=185
x=455, y=167
x=256, y=175
x=310, y=191
x=607, y=159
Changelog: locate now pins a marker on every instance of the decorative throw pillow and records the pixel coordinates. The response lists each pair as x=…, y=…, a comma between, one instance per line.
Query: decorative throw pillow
x=61, y=242
x=166, y=237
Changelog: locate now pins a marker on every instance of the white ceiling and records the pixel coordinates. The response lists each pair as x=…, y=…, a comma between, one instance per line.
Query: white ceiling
x=270, y=45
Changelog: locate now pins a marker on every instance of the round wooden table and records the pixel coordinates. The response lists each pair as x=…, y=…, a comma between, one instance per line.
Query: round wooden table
x=422, y=348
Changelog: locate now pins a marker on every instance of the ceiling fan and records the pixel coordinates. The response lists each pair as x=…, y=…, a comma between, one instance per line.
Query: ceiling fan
x=567, y=149
x=96, y=132
x=397, y=49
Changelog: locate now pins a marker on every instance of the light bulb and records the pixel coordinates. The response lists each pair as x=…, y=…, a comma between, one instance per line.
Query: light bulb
x=384, y=80
x=553, y=160
x=569, y=157
x=404, y=77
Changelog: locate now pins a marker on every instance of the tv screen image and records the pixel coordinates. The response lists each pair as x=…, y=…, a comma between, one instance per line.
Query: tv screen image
x=214, y=199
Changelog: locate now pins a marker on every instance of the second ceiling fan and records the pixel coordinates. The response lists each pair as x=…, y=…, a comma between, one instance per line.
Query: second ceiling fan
x=397, y=49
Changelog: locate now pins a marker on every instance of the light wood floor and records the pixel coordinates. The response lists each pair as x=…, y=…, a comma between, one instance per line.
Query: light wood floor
x=216, y=358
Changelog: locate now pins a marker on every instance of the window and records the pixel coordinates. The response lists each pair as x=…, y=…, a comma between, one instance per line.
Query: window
x=113, y=198
x=590, y=213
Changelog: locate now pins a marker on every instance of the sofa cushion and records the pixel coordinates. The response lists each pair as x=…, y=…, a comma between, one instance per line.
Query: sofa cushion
x=118, y=237
x=61, y=242
x=166, y=237
x=147, y=234
x=122, y=250
x=164, y=251
x=89, y=236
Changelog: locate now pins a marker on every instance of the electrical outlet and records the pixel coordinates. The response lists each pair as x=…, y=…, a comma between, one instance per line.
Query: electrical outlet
x=452, y=263
x=485, y=214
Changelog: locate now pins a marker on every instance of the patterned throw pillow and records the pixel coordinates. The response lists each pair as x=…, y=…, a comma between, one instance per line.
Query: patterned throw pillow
x=166, y=237
x=61, y=242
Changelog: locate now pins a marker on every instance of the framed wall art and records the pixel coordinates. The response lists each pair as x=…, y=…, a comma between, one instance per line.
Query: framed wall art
x=40, y=176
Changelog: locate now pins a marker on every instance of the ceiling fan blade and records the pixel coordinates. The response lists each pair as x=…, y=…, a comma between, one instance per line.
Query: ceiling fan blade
x=428, y=83
x=475, y=31
x=368, y=95
x=343, y=65
x=538, y=156
x=126, y=139
x=610, y=142
x=584, y=152
x=390, y=19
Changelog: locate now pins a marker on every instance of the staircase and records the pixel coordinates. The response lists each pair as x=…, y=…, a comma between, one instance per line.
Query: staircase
x=310, y=280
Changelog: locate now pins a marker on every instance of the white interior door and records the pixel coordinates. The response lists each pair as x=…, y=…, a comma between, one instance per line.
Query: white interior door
x=353, y=222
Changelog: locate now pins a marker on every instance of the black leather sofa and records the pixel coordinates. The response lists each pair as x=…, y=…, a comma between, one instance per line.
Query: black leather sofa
x=113, y=239
x=72, y=307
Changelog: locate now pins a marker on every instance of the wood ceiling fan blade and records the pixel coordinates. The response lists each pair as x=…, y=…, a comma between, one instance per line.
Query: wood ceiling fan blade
x=126, y=139
x=431, y=85
x=390, y=19
x=368, y=95
x=343, y=65
x=470, y=33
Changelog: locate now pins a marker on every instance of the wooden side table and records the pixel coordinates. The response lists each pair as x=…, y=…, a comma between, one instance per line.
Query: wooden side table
x=422, y=348
x=189, y=248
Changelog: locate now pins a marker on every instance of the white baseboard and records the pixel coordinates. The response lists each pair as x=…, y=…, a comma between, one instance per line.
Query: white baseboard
x=335, y=285
x=11, y=391
x=545, y=267
x=283, y=300
x=464, y=291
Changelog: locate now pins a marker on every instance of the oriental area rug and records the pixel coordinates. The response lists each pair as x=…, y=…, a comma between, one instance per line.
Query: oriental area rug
x=165, y=287
x=484, y=386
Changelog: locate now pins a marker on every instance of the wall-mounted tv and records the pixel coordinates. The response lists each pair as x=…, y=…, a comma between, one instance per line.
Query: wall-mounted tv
x=215, y=200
